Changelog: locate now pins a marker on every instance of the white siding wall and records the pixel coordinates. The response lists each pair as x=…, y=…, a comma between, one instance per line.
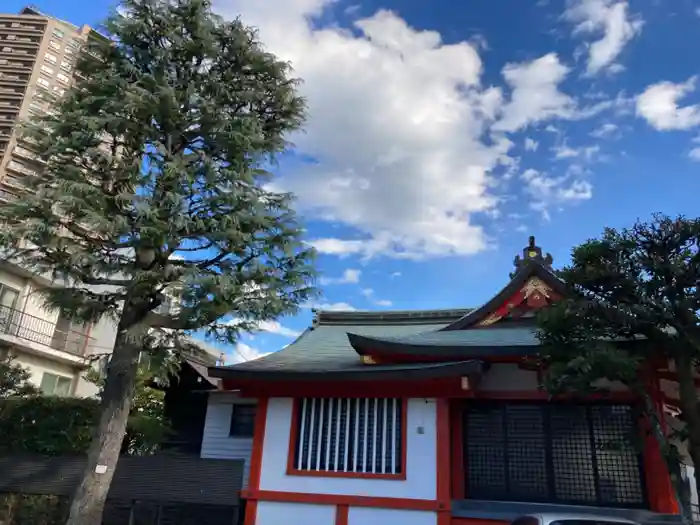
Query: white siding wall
x=216, y=442
x=273, y=513
x=373, y=516
x=420, y=482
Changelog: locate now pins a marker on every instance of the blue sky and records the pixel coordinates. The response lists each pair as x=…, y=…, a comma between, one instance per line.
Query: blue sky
x=441, y=135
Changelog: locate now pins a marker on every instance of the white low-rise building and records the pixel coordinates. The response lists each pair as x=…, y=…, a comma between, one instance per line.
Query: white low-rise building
x=56, y=351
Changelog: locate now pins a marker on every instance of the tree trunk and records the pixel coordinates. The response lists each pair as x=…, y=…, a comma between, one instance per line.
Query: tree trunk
x=688, y=398
x=90, y=496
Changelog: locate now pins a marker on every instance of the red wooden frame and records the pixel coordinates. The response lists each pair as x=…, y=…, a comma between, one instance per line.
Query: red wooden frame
x=256, y=457
x=294, y=434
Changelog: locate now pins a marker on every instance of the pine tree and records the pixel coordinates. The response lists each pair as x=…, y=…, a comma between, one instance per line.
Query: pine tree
x=633, y=308
x=154, y=185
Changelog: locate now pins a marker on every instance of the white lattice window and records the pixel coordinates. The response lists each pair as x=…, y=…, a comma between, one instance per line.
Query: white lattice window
x=49, y=57
x=54, y=45
x=353, y=436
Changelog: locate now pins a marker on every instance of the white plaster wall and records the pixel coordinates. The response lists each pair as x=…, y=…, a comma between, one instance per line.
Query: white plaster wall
x=216, y=442
x=275, y=513
x=37, y=366
x=420, y=482
x=508, y=376
x=374, y=516
x=33, y=305
x=13, y=281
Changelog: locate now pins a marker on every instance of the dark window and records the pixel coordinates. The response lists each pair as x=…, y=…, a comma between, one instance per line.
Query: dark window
x=553, y=452
x=243, y=421
x=350, y=435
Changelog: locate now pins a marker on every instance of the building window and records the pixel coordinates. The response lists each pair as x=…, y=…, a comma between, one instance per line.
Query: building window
x=63, y=78
x=59, y=91
x=353, y=436
x=65, y=66
x=55, y=385
x=243, y=420
x=46, y=70
x=58, y=33
x=553, y=453
x=50, y=57
x=43, y=82
x=54, y=45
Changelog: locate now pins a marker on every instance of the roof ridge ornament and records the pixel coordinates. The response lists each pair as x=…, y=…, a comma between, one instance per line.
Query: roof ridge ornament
x=532, y=252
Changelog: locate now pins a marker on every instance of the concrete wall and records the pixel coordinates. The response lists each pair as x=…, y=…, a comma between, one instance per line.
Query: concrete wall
x=216, y=442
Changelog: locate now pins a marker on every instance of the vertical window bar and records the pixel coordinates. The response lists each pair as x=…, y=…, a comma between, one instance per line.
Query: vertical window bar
x=365, y=443
x=375, y=437
x=336, y=436
x=393, y=437
x=347, y=434
x=329, y=433
x=356, y=443
x=302, y=428
x=312, y=402
x=385, y=415
x=319, y=432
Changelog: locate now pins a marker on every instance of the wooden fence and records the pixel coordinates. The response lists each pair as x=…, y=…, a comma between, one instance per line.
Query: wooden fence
x=150, y=490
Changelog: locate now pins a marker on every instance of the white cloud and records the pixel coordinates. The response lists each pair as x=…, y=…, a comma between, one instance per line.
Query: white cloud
x=274, y=327
x=612, y=20
x=530, y=144
x=565, y=152
x=350, y=276
x=369, y=294
x=658, y=105
x=414, y=111
x=535, y=93
x=694, y=154
x=395, y=275
x=244, y=352
x=547, y=191
x=333, y=307
x=407, y=141
x=605, y=130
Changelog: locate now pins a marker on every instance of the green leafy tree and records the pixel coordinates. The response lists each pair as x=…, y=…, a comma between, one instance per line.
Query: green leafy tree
x=147, y=426
x=15, y=380
x=155, y=185
x=632, y=309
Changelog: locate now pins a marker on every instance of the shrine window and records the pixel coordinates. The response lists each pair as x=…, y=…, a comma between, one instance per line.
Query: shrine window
x=580, y=454
x=343, y=436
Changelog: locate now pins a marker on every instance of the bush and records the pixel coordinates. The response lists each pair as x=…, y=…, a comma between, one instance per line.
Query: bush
x=47, y=425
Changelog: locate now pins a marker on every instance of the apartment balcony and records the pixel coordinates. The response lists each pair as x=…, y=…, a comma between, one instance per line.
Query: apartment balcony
x=11, y=94
x=22, y=28
x=7, y=196
x=20, y=42
x=41, y=337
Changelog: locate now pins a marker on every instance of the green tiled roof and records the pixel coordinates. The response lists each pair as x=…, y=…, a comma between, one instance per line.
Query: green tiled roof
x=326, y=347
x=513, y=336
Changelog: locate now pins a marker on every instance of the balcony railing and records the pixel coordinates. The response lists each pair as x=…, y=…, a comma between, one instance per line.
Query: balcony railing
x=34, y=329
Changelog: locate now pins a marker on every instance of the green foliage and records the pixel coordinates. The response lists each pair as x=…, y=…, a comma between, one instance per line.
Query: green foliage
x=14, y=380
x=633, y=305
x=147, y=426
x=155, y=181
x=47, y=425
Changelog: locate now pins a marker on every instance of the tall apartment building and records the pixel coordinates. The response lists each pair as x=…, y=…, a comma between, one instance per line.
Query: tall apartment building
x=37, y=60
